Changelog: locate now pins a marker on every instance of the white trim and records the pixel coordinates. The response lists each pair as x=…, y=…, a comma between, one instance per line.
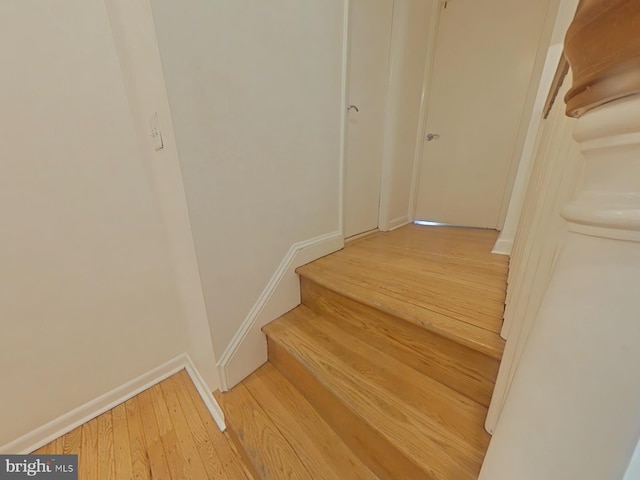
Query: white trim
x=399, y=222
x=344, y=125
x=248, y=348
x=207, y=395
x=503, y=246
x=633, y=470
x=360, y=236
x=50, y=431
x=386, y=168
x=525, y=164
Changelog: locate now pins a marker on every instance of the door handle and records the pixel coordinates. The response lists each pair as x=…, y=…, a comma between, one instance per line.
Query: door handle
x=355, y=107
x=432, y=136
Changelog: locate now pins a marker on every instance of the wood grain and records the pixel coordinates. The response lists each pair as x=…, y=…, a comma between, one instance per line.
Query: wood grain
x=466, y=370
x=414, y=413
x=227, y=461
x=441, y=279
x=376, y=451
x=603, y=47
x=262, y=442
x=123, y=463
x=140, y=455
x=106, y=455
x=315, y=443
x=165, y=432
x=88, y=459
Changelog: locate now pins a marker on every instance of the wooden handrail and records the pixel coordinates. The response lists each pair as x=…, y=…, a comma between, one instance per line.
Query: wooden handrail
x=603, y=49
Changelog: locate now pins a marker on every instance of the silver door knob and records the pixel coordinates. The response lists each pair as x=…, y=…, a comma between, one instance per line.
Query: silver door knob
x=355, y=107
x=432, y=136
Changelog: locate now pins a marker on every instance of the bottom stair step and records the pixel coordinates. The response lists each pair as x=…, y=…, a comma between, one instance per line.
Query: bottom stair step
x=281, y=436
x=402, y=423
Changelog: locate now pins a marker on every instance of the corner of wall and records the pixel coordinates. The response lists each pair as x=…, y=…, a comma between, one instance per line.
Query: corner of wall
x=50, y=431
x=248, y=349
x=503, y=245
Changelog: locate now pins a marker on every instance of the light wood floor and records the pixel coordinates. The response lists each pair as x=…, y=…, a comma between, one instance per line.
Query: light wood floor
x=384, y=372
x=442, y=278
x=387, y=368
x=164, y=433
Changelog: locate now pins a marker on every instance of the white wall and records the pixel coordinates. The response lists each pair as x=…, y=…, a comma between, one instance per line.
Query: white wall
x=137, y=49
x=88, y=297
x=548, y=176
x=255, y=90
x=563, y=11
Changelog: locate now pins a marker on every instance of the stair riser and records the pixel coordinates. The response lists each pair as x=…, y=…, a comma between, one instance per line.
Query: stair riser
x=465, y=370
x=374, y=450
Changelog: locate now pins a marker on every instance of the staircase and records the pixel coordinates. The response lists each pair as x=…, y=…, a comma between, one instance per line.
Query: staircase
x=386, y=369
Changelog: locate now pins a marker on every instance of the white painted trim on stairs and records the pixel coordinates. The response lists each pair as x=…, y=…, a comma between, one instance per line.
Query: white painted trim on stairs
x=503, y=246
x=248, y=348
x=633, y=470
x=398, y=222
x=50, y=431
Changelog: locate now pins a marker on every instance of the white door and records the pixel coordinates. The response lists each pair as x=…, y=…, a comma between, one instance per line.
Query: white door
x=369, y=45
x=482, y=67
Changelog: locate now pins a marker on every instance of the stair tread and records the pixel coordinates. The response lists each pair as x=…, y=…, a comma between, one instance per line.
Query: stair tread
x=283, y=435
x=467, y=371
x=436, y=427
x=425, y=276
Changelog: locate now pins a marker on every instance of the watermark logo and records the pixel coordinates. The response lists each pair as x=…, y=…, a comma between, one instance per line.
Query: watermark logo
x=49, y=467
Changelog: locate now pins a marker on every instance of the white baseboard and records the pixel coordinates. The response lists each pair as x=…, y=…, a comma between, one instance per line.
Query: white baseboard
x=248, y=348
x=503, y=246
x=50, y=431
x=399, y=222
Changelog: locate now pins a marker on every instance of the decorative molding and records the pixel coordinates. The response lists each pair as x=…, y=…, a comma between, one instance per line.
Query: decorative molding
x=248, y=348
x=609, y=204
x=503, y=246
x=50, y=431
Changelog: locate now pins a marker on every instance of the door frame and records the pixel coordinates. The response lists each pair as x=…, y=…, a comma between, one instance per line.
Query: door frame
x=385, y=223
x=344, y=123
x=424, y=111
x=525, y=118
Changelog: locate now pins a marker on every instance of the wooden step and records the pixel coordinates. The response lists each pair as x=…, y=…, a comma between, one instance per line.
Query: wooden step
x=281, y=436
x=444, y=280
x=465, y=370
x=400, y=422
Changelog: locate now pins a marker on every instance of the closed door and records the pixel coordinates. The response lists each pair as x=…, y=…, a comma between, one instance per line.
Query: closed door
x=481, y=72
x=369, y=45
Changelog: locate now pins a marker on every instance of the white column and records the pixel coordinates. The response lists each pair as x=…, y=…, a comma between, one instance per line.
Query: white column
x=573, y=410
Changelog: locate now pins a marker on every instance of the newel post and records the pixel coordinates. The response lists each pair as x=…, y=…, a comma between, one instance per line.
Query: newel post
x=573, y=410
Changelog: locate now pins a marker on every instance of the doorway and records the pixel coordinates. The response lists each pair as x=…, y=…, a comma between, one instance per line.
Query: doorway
x=368, y=72
x=482, y=68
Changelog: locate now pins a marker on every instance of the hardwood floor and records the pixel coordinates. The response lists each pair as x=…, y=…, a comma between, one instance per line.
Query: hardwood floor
x=394, y=354
x=165, y=432
x=440, y=278
x=384, y=372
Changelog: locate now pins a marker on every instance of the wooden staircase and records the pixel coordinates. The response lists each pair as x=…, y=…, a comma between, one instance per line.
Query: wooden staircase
x=386, y=369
